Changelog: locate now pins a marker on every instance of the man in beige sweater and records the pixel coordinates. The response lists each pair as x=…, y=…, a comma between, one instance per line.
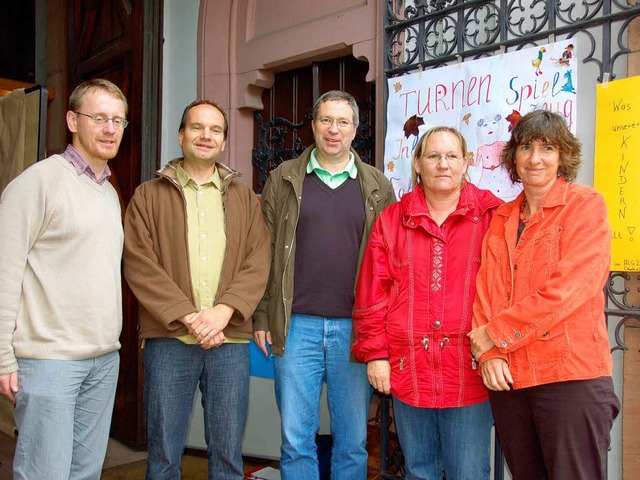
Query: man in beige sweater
x=60, y=294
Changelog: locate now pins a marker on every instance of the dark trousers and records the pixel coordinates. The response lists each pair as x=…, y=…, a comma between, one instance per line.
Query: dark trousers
x=556, y=431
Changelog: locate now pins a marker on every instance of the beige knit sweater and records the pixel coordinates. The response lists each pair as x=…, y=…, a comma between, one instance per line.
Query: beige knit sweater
x=60, y=250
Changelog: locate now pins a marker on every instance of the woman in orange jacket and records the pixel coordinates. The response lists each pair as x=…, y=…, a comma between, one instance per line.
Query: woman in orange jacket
x=540, y=334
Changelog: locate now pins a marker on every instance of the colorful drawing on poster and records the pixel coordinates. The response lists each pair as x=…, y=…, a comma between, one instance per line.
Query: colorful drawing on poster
x=491, y=176
x=411, y=128
x=565, y=59
x=537, y=62
x=484, y=99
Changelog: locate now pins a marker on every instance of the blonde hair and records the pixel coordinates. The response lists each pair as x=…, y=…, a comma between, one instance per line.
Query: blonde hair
x=75, y=100
x=422, y=145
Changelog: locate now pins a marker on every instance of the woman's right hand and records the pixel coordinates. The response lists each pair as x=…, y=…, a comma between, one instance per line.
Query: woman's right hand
x=496, y=375
x=379, y=374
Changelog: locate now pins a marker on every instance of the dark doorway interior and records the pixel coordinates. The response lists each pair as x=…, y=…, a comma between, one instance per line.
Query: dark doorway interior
x=18, y=40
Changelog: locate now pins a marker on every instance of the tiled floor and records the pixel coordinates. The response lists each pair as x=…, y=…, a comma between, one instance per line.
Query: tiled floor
x=123, y=463
x=194, y=467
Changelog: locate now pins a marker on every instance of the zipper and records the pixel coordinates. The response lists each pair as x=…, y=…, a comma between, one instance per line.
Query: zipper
x=511, y=276
x=226, y=235
x=176, y=185
x=287, y=317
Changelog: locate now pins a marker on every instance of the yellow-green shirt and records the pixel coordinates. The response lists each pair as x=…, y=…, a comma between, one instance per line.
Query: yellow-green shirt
x=207, y=238
x=332, y=180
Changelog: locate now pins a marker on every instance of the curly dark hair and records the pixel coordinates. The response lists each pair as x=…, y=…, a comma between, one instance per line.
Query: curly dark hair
x=547, y=127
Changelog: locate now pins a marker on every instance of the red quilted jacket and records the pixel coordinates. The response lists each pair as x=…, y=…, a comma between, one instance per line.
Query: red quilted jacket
x=414, y=298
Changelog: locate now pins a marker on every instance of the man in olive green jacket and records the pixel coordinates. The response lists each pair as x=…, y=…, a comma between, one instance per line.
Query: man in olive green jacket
x=320, y=209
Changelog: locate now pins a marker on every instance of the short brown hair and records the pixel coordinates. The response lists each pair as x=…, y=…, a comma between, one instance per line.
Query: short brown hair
x=547, y=127
x=422, y=145
x=98, y=84
x=195, y=103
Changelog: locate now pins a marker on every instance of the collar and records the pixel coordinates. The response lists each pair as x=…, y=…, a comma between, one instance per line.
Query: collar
x=183, y=177
x=349, y=168
x=81, y=166
x=555, y=197
x=472, y=204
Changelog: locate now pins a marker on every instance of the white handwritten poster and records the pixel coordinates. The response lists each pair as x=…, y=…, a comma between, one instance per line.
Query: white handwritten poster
x=483, y=99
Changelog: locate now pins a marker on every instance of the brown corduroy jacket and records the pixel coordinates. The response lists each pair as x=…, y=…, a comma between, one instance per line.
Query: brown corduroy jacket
x=156, y=256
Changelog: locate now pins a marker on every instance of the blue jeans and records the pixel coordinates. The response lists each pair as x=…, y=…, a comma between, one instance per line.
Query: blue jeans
x=456, y=440
x=63, y=413
x=317, y=350
x=172, y=371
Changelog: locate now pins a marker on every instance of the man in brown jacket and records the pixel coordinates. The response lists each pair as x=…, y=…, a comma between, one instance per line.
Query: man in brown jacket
x=197, y=257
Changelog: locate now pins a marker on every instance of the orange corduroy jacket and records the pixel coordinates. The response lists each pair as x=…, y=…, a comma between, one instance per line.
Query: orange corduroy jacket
x=542, y=299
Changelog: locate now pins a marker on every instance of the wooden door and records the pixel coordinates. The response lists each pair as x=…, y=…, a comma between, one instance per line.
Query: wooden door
x=105, y=40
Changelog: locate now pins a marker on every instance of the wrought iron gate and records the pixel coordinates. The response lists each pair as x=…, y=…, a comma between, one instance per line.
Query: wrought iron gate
x=427, y=34
x=433, y=33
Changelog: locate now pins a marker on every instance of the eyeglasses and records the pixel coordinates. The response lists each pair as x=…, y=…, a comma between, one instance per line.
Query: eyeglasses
x=435, y=157
x=340, y=123
x=101, y=119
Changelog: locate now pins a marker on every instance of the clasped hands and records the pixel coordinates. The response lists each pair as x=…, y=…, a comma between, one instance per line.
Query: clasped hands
x=495, y=371
x=207, y=325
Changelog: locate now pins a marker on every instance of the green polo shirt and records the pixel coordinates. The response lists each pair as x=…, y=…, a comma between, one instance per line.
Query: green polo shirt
x=206, y=236
x=332, y=180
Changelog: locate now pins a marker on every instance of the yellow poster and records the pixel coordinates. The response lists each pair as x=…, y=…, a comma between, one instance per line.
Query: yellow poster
x=617, y=167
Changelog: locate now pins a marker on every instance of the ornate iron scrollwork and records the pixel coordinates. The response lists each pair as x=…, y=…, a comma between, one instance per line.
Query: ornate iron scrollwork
x=365, y=140
x=434, y=33
x=621, y=291
x=272, y=150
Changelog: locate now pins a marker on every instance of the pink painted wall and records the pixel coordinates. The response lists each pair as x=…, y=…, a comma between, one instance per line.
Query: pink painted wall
x=242, y=43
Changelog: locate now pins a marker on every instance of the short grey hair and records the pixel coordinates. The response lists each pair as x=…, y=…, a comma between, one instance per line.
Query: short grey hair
x=336, y=96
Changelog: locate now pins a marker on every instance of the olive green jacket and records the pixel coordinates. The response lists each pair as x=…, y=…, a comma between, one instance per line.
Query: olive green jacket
x=281, y=200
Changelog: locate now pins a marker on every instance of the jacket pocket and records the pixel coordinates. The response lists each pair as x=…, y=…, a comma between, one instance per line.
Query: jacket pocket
x=551, y=349
x=399, y=362
x=544, y=255
x=496, y=249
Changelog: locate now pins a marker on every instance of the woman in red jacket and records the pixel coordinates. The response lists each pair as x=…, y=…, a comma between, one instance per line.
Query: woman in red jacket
x=413, y=311
x=540, y=333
